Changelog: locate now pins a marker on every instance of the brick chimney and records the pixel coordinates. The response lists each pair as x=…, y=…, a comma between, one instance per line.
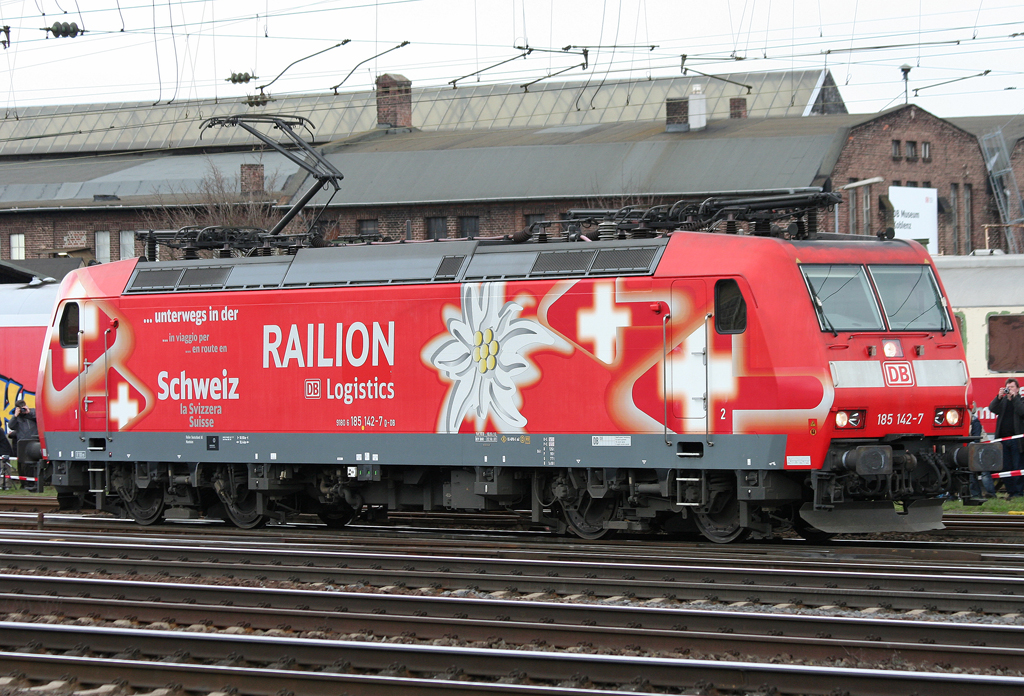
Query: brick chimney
x=251, y=178
x=738, y=107
x=394, y=101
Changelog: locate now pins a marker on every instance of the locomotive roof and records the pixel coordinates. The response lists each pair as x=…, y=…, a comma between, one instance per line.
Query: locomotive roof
x=474, y=260
x=402, y=263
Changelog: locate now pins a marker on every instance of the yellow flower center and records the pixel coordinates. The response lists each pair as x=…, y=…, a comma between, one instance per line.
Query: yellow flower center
x=486, y=350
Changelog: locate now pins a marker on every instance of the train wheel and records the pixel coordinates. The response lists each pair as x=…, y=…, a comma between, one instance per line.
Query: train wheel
x=811, y=534
x=145, y=505
x=721, y=522
x=586, y=516
x=238, y=503
x=336, y=518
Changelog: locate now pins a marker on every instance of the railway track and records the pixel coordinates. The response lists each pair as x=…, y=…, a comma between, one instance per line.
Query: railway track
x=416, y=613
x=562, y=625
x=975, y=583
x=215, y=662
x=954, y=522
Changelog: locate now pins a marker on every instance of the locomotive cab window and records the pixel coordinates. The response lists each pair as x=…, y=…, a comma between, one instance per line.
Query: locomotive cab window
x=730, y=307
x=842, y=297
x=69, y=325
x=911, y=298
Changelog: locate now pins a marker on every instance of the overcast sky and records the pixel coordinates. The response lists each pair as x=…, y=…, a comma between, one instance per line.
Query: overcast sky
x=186, y=49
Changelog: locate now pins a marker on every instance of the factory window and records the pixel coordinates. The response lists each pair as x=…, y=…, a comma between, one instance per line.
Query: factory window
x=926, y=151
x=367, y=228
x=1006, y=343
x=911, y=184
x=954, y=215
x=926, y=184
x=69, y=325
x=866, y=205
x=127, y=244
x=967, y=219
x=896, y=151
x=437, y=228
x=534, y=218
x=18, y=246
x=102, y=243
x=911, y=150
x=469, y=226
x=852, y=208
x=730, y=308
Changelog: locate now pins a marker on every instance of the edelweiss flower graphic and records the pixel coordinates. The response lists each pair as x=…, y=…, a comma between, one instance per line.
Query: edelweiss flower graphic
x=485, y=355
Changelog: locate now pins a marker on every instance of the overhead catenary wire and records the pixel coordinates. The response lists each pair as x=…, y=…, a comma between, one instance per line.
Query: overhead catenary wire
x=611, y=65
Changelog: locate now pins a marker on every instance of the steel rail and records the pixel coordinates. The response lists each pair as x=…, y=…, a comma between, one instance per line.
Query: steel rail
x=998, y=576
x=488, y=664
x=953, y=592
x=960, y=598
x=723, y=633
x=542, y=557
x=652, y=616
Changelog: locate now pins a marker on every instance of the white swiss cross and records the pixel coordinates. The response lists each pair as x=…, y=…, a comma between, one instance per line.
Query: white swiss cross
x=123, y=409
x=602, y=323
x=688, y=376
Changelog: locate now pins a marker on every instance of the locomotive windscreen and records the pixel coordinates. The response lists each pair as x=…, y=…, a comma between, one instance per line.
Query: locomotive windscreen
x=910, y=298
x=843, y=296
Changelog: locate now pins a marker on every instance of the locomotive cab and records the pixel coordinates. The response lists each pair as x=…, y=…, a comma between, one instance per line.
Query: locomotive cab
x=899, y=417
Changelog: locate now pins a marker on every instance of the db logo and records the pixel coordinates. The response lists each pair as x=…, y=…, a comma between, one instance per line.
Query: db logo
x=312, y=389
x=898, y=374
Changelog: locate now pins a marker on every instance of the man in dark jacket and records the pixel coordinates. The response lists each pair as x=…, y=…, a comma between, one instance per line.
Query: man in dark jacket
x=23, y=425
x=1009, y=410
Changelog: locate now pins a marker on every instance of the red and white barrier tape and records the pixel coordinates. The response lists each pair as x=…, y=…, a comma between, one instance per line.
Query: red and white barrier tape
x=1004, y=439
x=14, y=477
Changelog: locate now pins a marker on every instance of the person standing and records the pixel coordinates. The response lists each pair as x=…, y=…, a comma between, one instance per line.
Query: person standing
x=1009, y=410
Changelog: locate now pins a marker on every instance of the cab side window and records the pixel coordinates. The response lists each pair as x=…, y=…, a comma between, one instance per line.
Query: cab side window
x=69, y=325
x=730, y=307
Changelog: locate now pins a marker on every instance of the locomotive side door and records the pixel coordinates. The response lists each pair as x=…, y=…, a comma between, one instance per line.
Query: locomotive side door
x=84, y=339
x=687, y=354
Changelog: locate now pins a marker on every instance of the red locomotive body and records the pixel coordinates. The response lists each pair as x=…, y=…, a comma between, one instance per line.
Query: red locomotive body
x=741, y=384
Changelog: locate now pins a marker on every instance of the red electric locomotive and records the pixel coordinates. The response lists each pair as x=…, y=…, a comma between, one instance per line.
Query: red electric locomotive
x=615, y=377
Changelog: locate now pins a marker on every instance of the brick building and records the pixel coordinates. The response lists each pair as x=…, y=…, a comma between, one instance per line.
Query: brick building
x=908, y=146
x=490, y=160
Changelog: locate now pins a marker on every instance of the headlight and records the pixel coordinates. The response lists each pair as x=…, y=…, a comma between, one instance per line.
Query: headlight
x=947, y=417
x=850, y=419
x=892, y=348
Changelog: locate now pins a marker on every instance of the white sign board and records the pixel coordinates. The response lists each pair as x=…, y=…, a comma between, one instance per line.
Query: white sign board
x=915, y=215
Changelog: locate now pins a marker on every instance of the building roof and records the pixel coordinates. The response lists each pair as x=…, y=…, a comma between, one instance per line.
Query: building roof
x=93, y=128
x=49, y=268
x=1011, y=126
x=387, y=167
x=596, y=161
x=126, y=180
